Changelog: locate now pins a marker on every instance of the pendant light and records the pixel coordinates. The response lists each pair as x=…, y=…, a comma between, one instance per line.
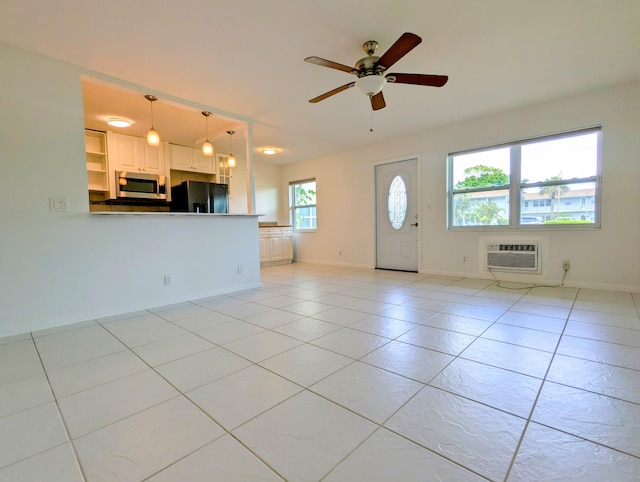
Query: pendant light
x=153, y=138
x=232, y=160
x=207, y=147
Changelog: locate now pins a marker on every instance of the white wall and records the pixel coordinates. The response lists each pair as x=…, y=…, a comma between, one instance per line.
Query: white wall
x=604, y=258
x=267, y=182
x=58, y=268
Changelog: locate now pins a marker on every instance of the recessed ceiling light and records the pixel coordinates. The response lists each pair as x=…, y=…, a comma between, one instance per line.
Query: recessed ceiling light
x=118, y=122
x=269, y=150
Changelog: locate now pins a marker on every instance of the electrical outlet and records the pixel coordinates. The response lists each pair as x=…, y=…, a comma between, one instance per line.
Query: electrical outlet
x=465, y=259
x=566, y=264
x=167, y=279
x=59, y=204
x=240, y=269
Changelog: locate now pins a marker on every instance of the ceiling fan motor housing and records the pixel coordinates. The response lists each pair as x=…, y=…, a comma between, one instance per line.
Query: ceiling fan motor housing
x=367, y=66
x=370, y=76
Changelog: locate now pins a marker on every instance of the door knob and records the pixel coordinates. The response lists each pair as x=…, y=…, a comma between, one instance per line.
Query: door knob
x=414, y=224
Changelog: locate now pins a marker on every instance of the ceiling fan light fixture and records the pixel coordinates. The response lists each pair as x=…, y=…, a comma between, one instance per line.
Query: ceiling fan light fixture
x=371, y=84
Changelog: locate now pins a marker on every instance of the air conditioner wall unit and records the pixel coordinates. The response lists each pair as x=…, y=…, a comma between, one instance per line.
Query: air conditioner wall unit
x=515, y=256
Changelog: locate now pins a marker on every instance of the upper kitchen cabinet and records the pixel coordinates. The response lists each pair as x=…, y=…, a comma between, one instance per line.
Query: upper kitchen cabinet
x=190, y=159
x=97, y=166
x=130, y=153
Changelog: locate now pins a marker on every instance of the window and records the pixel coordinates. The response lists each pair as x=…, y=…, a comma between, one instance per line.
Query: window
x=545, y=182
x=302, y=200
x=397, y=202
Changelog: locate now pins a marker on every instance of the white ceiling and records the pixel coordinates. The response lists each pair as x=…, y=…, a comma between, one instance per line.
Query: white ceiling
x=246, y=57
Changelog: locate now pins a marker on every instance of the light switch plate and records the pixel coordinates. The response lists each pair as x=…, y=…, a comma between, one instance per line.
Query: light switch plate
x=59, y=204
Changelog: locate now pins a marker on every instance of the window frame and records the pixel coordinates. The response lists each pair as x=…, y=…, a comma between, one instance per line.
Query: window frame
x=515, y=187
x=293, y=206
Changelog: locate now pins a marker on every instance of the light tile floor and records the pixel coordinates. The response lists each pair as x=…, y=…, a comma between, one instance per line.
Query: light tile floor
x=336, y=374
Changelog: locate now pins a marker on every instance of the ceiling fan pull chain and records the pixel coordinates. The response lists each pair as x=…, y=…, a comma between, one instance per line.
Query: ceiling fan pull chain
x=371, y=120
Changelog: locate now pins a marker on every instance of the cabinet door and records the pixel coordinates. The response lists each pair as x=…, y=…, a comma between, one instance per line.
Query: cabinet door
x=180, y=157
x=264, y=247
x=152, y=158
x=223, y=171
x=287, y=244
x=203, y=163
x=275, y=247
x=124, y=152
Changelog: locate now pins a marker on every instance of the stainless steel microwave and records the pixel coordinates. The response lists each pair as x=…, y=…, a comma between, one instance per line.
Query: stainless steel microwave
x=131, y=184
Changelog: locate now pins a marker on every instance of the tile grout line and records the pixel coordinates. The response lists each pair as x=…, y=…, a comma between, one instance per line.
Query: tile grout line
x=382, y=426
x=62, y=419
x=184, y=395
x=535, y=402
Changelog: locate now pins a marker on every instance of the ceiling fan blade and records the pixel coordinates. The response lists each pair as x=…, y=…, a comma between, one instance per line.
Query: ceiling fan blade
x=418, y=79
x=332, y=92
x=406, y=43
x=377, y=101
x=330, y=64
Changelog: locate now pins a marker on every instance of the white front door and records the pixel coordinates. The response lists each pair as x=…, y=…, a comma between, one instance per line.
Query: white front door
x=397, y=215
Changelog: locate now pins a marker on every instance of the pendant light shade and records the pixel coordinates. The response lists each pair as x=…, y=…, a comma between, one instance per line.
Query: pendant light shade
x=207, y=147
x=153, y=138
x=232, y=160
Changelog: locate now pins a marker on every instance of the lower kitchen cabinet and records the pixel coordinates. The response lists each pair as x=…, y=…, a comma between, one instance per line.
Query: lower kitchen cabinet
x=276, y=245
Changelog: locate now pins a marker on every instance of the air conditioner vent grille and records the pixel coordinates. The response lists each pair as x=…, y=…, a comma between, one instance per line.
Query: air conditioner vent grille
x=512, y=256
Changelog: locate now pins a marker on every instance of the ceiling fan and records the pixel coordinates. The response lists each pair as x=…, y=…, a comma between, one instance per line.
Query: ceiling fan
x=371, y=70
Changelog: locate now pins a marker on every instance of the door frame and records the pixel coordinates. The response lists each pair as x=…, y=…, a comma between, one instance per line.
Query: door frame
x=374, y=195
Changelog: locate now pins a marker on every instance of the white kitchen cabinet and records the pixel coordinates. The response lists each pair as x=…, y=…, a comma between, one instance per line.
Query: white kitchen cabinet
x=97, y=162
x=204, y=163
x=276, y=245
x=263, y=242
x=287, y=243
x=223, y=171
x=152, y=158
x=130, y=153
x=185, y=158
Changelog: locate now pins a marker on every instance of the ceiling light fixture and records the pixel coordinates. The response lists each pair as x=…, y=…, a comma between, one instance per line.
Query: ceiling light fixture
x=207, y=148
x=371, y=84
x=232, y=160
x=269, y=150
x=118, y=122
x=153, y=138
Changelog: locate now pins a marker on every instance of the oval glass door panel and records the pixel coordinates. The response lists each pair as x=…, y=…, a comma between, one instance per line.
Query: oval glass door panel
x=397, y=202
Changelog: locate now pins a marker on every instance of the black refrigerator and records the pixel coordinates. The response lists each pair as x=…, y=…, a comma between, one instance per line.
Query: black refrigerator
x=200, y=197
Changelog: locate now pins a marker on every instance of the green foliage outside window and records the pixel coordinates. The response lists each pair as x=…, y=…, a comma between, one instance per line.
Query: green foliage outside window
x=304, y=205
x=483, y=176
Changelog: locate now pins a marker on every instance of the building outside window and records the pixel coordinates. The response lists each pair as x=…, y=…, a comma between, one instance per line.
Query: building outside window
x=302, y=202
x=547, y=182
